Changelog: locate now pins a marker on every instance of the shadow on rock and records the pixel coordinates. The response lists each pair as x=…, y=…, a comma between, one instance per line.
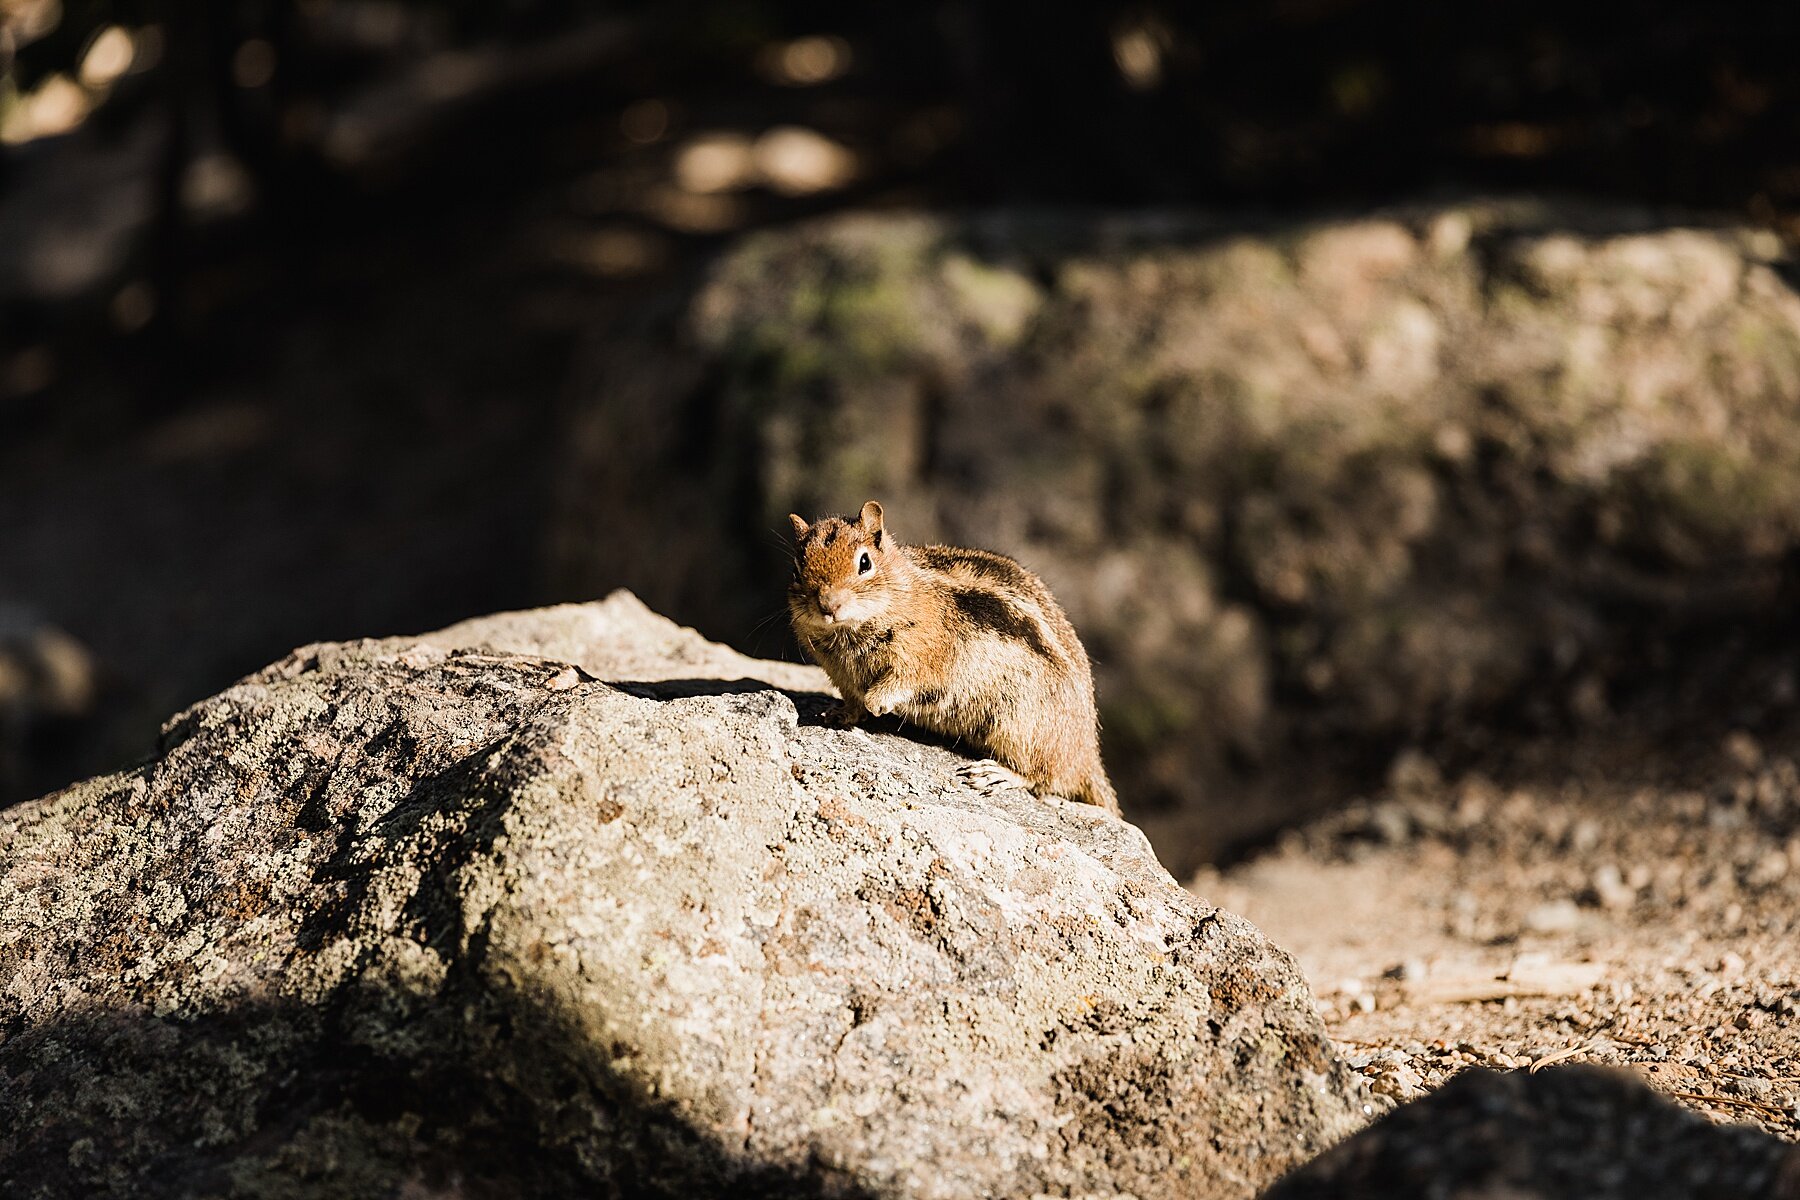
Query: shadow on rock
x=289, y=1100
x=685, y=689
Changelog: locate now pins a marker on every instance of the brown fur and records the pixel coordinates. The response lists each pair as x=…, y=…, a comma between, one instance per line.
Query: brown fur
x=966, y=643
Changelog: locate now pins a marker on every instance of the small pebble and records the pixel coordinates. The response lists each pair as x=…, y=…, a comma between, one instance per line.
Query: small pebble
x=1390, y=823
x=1749, y=1086
x=1611, y=889
x=1399, y=1081
x=1412, y=771
x=1743, y=750
x=1768, y=870
x=1554, y=916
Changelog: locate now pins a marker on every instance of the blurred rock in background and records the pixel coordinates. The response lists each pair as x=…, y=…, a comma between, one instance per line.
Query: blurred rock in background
x=1311, y=491
x=48, y=683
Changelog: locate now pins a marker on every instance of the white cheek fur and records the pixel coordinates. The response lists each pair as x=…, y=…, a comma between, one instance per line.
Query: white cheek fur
x=860, y=608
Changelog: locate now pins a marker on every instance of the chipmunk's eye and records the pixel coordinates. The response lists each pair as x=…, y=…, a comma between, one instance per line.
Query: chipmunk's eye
x=864, y=564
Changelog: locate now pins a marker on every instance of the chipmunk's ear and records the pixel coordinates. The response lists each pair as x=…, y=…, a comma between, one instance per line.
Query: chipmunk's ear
x=870, y=523
x=800, y=525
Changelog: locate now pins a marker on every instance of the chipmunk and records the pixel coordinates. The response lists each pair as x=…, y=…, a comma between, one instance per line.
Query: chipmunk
x=966, y=643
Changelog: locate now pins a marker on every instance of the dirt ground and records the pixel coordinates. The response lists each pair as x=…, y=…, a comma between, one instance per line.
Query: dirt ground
x=1627, y=904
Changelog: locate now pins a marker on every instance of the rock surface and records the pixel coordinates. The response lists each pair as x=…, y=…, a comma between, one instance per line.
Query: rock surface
x=1338, y=485
x=1580, y=1133
x=450, y=916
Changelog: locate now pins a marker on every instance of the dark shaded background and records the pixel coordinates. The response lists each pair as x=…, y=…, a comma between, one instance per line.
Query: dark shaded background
x=288, y=300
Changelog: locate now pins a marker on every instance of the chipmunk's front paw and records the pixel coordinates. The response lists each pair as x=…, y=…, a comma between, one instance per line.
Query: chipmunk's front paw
x=884, y=701
x=990, y=778
x=843, y=715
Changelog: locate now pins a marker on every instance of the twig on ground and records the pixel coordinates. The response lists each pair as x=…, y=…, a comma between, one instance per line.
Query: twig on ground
x=1556, y=1056
x=1735, y=1101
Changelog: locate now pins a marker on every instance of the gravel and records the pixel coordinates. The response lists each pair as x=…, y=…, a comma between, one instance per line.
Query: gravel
x=1616, y=903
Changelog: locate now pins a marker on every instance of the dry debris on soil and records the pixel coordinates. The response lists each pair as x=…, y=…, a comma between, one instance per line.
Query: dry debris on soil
x=1635, y=912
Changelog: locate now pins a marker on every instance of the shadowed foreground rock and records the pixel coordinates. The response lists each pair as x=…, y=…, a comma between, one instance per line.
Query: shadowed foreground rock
x=407, y=917
x=1574, y=1133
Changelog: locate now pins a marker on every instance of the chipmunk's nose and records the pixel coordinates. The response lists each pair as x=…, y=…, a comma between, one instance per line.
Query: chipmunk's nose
x=831, y=601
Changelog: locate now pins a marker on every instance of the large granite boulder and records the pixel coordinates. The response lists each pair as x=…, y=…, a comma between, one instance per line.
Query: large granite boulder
x=575, y=903
x=1306, y=489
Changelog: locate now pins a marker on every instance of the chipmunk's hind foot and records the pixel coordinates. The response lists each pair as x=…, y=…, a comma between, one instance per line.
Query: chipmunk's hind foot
x=991, y=778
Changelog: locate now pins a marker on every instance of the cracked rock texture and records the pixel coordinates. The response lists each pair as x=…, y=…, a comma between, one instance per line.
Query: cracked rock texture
x=573, y=902
x=1310, y=491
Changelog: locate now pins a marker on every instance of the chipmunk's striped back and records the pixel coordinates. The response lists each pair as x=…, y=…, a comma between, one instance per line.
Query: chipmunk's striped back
x=967, y=643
